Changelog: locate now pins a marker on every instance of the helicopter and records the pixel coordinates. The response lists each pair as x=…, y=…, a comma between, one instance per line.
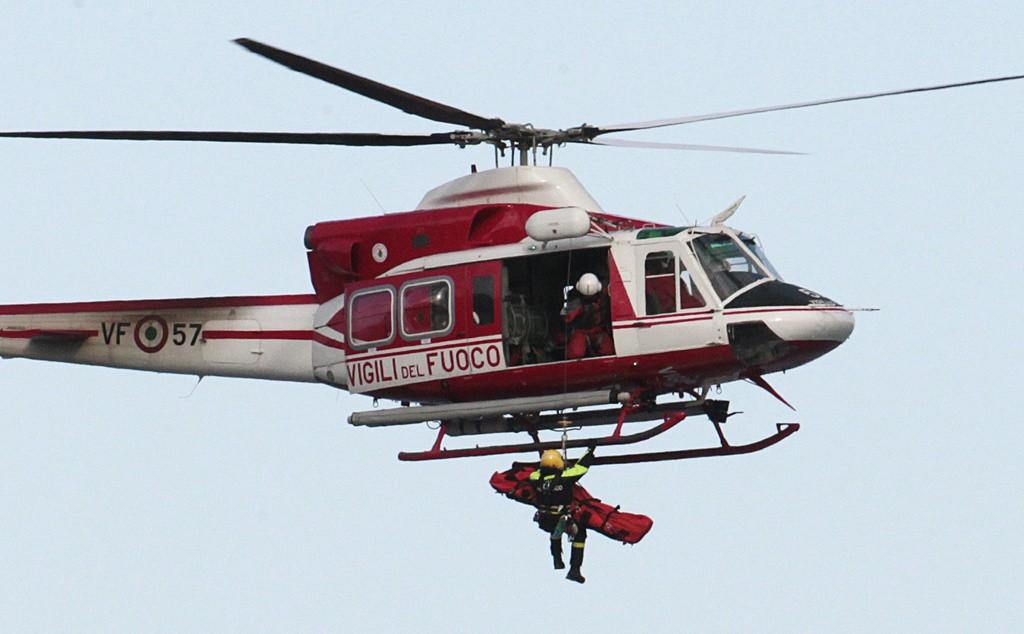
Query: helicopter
x=463, y=309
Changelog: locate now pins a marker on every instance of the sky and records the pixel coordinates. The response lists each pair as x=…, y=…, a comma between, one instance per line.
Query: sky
x=141, y=502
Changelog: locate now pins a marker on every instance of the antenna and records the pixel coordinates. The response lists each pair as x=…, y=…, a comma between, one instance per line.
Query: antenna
x=370, y=192
x=685, y=217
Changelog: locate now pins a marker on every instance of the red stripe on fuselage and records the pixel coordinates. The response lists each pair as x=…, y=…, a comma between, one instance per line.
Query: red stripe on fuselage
x=158, y=304
x=294, y=335
x=648, y=323
x=38, y=332
x=795, y=309
x=273, y=335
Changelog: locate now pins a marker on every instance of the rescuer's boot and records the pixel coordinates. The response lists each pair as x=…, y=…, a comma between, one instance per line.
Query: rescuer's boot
x=575, y=562
x=556, y=554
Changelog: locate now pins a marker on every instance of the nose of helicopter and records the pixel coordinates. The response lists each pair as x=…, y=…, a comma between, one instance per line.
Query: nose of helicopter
x=831, y=325
x=774, y=338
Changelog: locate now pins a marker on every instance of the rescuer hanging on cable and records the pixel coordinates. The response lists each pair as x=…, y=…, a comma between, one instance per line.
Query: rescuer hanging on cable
x=554, y=485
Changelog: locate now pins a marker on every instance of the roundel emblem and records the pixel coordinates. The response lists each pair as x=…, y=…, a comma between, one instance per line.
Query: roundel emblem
x=151, y=334
x=380, y=252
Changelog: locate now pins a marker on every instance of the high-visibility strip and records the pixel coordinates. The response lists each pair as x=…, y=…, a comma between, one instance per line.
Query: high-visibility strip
x=573, y=471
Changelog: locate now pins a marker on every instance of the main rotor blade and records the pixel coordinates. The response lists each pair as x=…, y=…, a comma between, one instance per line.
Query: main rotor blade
x=407, y=102
x=308, y=138
x=687, y=146
x=659, y=123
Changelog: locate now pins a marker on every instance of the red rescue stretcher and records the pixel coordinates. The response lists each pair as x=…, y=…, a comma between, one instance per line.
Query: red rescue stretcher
x=628, y=528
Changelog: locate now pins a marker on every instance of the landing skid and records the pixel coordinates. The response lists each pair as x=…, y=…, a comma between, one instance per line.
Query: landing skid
x=437, y=453
x=716, y=412
x=783, y=430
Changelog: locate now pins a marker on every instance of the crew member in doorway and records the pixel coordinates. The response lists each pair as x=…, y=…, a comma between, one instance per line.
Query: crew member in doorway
x=586, y=313
x=554, y=485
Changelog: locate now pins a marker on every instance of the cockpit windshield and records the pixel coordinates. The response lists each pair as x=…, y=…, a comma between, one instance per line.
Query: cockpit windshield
x=728, y=266
x=755, y=248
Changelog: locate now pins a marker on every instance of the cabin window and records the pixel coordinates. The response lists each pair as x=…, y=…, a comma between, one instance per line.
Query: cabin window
x=427, y=308
x=689, y=294
x=483, y=300
x=371, y=317
x=660, y=282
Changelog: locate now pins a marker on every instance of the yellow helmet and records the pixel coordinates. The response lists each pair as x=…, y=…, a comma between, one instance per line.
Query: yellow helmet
x=552, y=459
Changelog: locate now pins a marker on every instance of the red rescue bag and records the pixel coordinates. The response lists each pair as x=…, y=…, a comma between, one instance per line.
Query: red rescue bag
x=628, y=528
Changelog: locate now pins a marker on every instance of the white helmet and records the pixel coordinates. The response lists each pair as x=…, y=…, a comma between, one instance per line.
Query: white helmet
x=588, y=285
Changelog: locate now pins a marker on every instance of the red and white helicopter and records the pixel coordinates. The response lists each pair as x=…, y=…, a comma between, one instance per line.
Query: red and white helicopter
x=464, y=305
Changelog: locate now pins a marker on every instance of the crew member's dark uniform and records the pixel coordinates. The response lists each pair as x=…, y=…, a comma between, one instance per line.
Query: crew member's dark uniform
x=554, y=497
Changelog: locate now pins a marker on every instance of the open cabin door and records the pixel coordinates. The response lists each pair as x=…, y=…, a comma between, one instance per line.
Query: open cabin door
x=538, y=325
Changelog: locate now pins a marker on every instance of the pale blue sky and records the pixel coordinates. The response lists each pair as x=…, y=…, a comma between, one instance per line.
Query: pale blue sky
x=252, y=506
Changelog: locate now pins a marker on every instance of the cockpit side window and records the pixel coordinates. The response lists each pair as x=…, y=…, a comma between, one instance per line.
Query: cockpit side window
x=728, y=266
x=659, y=282
x=689, y=294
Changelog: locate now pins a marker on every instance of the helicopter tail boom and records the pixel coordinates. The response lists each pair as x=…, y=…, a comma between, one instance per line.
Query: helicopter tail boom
x=265, y=337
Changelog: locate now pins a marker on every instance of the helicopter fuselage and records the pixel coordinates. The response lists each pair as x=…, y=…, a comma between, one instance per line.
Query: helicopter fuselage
x=497, y=324
x=455, y=302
